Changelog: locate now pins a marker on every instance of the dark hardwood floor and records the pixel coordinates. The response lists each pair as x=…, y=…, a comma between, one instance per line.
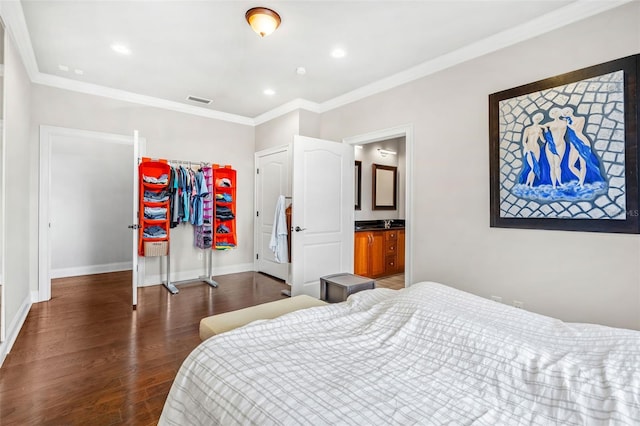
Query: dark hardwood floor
x=86, y=358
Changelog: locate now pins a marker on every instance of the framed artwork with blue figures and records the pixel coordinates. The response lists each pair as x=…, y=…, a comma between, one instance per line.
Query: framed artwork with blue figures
x=564, y=151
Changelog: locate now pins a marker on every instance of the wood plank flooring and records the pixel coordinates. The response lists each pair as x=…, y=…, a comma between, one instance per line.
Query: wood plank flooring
x=394, y=282
x=86, y=358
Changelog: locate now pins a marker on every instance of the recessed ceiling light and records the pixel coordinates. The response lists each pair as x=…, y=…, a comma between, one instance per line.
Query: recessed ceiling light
x=269, y=92
x=78, y=71
x=338, y=53
x=301, y=71
x=121, y=49
x=63, y=68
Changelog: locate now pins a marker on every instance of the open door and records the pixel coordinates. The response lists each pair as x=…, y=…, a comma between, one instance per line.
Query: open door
x=322, y=212
x=134, y=221
x=272, y=180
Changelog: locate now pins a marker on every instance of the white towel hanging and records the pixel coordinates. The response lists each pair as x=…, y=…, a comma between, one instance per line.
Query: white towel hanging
x=278, y=242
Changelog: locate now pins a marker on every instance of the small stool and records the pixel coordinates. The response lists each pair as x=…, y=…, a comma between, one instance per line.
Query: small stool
x=337, y=287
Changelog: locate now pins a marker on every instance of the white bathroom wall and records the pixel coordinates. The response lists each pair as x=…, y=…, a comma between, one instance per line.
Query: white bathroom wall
x=369, y=155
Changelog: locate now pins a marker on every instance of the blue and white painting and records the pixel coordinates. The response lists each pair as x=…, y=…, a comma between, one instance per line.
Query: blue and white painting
x=562, y=151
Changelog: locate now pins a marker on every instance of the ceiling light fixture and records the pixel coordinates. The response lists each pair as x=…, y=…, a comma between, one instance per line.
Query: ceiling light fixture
x=269, y=92
x=262, y=20
x=385, y=152
x=121, y=49
x=338, y=53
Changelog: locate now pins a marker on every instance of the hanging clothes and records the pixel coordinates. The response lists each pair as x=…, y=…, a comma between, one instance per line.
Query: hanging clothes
x=278, y=242
x=204, y=233
x=175, y=197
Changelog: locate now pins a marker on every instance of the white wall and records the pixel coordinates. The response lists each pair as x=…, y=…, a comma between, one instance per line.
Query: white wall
x=18, y=232
x=170, y=135
x=91, y=199
x=576, y=276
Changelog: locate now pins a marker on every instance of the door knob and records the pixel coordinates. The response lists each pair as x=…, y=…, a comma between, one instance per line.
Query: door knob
x=298, y=229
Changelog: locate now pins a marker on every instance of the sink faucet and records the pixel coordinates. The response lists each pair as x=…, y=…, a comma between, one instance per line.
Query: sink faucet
x=387, y=223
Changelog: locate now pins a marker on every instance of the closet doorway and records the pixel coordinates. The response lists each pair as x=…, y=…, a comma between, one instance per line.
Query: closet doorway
x=272, y=180
x=401, y=134
x=86, y=202
x=320, y=174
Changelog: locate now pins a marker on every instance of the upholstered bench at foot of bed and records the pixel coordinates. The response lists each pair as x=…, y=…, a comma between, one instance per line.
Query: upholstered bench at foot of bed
x=220, y=323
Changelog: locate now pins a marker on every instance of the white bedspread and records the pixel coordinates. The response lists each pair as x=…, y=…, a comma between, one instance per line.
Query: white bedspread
x=428, y=354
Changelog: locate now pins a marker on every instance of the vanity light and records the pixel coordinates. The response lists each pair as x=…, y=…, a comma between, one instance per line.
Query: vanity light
x=262, y=20
x=385, y=152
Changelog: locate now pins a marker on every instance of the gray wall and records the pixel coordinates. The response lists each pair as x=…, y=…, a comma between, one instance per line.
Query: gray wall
x=576, y=276
x=170, y=135
x=277, y=132
x=91, y=199
x=280, y=130
x=19, y=231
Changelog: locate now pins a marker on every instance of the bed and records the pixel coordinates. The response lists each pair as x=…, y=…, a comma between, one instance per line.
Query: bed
x=428, y=354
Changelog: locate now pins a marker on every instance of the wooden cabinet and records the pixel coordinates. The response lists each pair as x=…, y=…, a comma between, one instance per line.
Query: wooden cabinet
x=401, y=244
x=369, y=254
x=377, y=253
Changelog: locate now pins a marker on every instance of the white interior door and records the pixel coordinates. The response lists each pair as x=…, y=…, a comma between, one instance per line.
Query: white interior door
x=322, y=212
x=272, y=180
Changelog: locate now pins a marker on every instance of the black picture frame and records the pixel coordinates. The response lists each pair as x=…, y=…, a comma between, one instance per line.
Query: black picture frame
x=384, y=195
x=357, y=176
x=540, y=188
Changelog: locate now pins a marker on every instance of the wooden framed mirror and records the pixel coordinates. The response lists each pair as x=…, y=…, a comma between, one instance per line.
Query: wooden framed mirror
x=385, y=187
x=357, y=176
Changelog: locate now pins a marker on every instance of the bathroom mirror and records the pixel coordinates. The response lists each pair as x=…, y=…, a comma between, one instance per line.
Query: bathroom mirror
x=357, y=176
x=385, y=187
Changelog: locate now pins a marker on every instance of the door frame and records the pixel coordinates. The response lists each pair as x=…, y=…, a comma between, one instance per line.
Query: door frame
x=47, y=133
x=405, y=130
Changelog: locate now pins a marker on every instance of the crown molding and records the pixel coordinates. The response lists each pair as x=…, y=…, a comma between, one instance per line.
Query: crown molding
x=13, y=16
x=287, y=108
x=123, y=95
x=574, y=12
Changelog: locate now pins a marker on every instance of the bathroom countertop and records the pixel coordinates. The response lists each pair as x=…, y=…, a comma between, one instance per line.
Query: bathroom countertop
x=378, y=225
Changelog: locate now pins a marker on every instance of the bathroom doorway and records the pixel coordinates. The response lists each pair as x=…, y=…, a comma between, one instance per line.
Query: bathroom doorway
x=386, y=149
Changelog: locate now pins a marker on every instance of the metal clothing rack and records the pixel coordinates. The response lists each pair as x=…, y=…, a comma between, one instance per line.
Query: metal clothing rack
x=208, y=278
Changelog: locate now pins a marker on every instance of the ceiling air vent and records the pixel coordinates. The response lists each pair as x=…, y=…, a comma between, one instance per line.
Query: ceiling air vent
x=200, y=100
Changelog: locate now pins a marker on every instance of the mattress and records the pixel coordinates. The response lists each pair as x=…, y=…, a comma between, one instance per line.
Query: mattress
x=427, y=354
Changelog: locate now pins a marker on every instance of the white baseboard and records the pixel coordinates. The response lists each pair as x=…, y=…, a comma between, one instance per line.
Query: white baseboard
x=155, y=279
x=90, y=269
x=14, y=328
